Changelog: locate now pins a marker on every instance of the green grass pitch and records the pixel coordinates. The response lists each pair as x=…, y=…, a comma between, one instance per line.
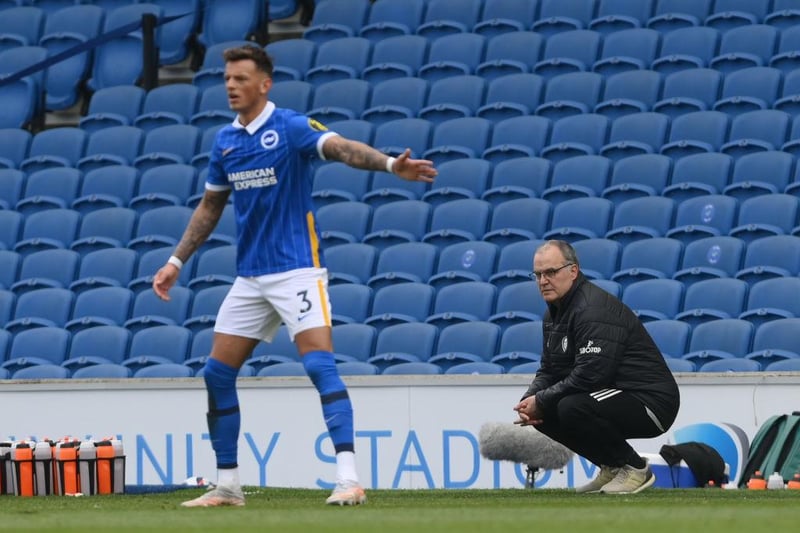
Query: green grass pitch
x=507, y=510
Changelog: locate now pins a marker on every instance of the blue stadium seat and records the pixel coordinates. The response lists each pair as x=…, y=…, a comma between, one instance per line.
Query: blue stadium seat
x=599, y=257
x=641, y=218
x=581, y=176
x=57, y=147
x=638, y=176
x=786, y=365
x=453, y=55
x=343, y=99
x=576, y=135
x=97, y=345
x=512, y=95
x=726, y=338
x=164, y=185
x=167, y=105
x=654, y=299
x=616, y=15
x=115, y=145
x=412, y=368
x=160, y=226
x=458, y=179
x=47, y=268
x=20, y=104
x=404, y=343
x=671, y=15
x=105, y=228
x=654, y=258
x=468, y=301
x=454, y=97
x=164, y=370
x=775, y=341
x=710, y=257
x=785, y=58
x=628, y=49
x=395, y=136
x=517, y=178
x=212, y=69
x=686, y=48
x=789, y=100
x=158, y=344
x=517, y=137
x=510, y=53
x=21, y=26
x=41, y=371
x=518, y=303
x=409, y=261
x=12, y=183
x=700, y=174
x=476, y=367
x=287, y=369
x=109, y=267
x=38, y=346
x=671, y=336
x=680, y=365
x=520, y=343
x=444, y=17
x=499, y=17
x=149, y=310
x=396, y=98
x=229, y=21
x=353, y=342
x=113, y=106
x=351, y=303
x=149, y=263
x=401, y=303
x=749, y=89
x=731, y=14
x=689, y=90
x=730, y=365
x=760, y=173
x=766, y=215
x=398, y=222
x=784, y=15
x=294, y=95
x=464, y=261
x=515, y=263
x=102, y=306
x=396, y=57
x=772, y=299
x=392, y=18
x=556, y=16
x=356, y=368
x=696, y=132
x=770, y=257
x=14, y=145
x=350, y=263
x=49, y=188
x=457, y=221
x=176, y=37
x=580, y=218
x=633, y=91
x=531, y=367
x=464, y=343
x=205, y=304
x=52, y=228
x=9, y=267
x=337, y=182
x=339, y=59
x=712, y=299
x=332, y=21
x=636, y=134
x=174, y=144
x=756, y=131
x=212, y=110
x=343, y=222
x=571, y=94
x=21, y=57
x=215, y=266
x=751, y=45
x=518, y=220
x=7, y=302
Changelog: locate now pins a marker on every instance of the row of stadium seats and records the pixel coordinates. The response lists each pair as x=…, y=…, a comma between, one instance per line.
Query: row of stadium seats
x=475, y=342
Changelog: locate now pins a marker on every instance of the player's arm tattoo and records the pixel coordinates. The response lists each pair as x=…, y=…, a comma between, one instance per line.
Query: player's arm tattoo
x=354, y=153
x=203, y=221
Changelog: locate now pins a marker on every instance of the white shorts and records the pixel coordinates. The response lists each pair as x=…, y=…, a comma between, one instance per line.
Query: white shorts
x=256, y=307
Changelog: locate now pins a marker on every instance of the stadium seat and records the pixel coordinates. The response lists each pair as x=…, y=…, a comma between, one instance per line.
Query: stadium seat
x=581, y=176
x=726, y=338
x=786, y=365
x=12, y=183
x=641, y=218
x=654, y=299
x=9, y=268
x=772, y=299
x=46, y=268
x=751, y=45
x=696, y=132
x=570, y=94
x=167, y=105
x=689, y=90
x=294, y=95
x=775, y=341
x=686, y=48
x=468, y=301
x=7, y=302
x=397, y=222
x=173, y=144
x=749, y=89
x=459, y=178
x=517, y=178
x=50, y=188
x=783, y=16
x=510, y=53
x=331, y=22
x=699, y=174
x=20, y=109
x=396, y=98
x=212, y=69
x=576, y=135
x=149, y=263
x=205, y=304
x=350, y=303
x=556, y=16
x=518, y=137
x=391, y=18
x=710, y=257
x=760, y=173
x=112, y=227
x=355, y=129
x=580, y=218
x=97, y=345
x=15, y=143
x=156, y=345
x=115, y=145
x=671, y=336
x=476, y=367
x=712, y=299
x=52, y=228
x=396, y=57
x=215, y=266
x=785, y=58
x=671, y=15
x=292, y=57
x=518, y=303
x=38, y=346
x=458, y=221
x=161, y=226
x=342, y=99
x=464, y=261
x=401, y=303
x=638, y=176
x=765, y=216
x=636, y=134
x=104, y=187
x=615, y=15
x=512, y=95
x=770, y=257
x=235, y=19
x=101, y=306
x=339, y=59
x=756, y=131
x=283, y=369
x=113, y=106
x=412, y=368
x=176, y=37
x=163, y=185
x=653, y=258
x=445, y=17
x=21, y=26
x=464, y=343
x=518, y=220
x=110, y=267
x=149, y=310
x=730, y=365
x=704, y=216
x=515, y=263
x=731, y=14
x=164, y=370
x=599, y=257
x=453, y=55
x=57, y=147
x=395, y=136
x=611, y=287
x=353, y=342
x=356, y=368
x=680, y=365
x=212, y=110
x=453, y=97
x=628, y=49
x=350, y=263
x=343, y=222
x=633, y=91
x=519, y=343
x=525, y=368
x=41, y=371
x=410, y=261
x=498, y=17
x=403, y=343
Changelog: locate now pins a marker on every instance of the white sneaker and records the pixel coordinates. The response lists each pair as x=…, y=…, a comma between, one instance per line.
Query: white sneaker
x=218, y=497
x=347, y=493
x=630, y=480
x=607, y=473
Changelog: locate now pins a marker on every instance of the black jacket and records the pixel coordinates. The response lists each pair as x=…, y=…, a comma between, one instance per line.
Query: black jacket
x=593, y=341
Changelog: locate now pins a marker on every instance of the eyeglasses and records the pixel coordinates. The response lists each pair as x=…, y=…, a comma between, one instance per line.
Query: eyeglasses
x=550, y=272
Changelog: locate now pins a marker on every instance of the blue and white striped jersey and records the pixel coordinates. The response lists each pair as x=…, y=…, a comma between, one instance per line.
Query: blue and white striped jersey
x=267, y=167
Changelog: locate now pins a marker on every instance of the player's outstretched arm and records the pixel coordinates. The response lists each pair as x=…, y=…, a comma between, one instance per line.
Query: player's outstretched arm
x=359, y=155
x=203, y=221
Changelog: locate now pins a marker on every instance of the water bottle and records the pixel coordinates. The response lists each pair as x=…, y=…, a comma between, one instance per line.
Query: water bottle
x=105, y=465
x=775, y=481
x=118, y=471
x=67, y=468
x=87, y=467
x=6, y=476
x=22, y=461
x=43, y=468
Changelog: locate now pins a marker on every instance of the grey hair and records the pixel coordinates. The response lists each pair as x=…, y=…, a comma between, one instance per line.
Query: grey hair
x=565, y=248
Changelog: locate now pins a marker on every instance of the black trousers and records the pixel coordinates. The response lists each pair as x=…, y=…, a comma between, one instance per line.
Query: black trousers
x=597, y=425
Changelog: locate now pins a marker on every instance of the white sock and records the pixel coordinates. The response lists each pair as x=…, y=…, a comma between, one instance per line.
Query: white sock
x=228, y=477
x=346, y=467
